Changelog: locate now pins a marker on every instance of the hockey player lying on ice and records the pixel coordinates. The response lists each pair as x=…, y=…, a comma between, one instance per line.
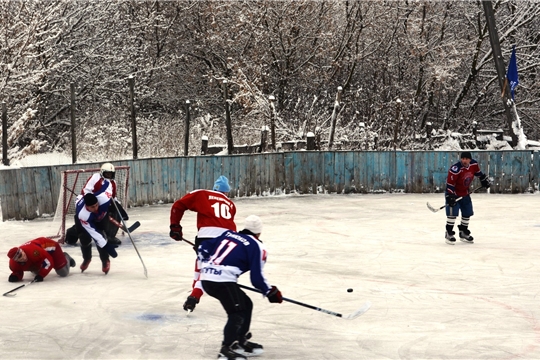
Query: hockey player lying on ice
x=39, y=256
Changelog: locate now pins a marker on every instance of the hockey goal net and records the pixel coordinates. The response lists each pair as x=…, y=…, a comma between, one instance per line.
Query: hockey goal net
x=72, y=183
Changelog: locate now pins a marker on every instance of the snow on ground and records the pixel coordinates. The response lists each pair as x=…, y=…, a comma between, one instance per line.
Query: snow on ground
x=47, y=159
x=429, y=300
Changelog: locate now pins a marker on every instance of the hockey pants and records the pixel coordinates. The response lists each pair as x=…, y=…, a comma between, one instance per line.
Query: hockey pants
x=86, y=241
x=237, y=305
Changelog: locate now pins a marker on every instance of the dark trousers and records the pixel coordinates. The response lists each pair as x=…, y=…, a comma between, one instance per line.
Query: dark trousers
x=237, y=305
x=106, y=229
x=105, y=226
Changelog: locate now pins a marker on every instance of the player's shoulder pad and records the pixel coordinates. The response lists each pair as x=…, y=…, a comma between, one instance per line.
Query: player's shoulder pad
x=456, y=168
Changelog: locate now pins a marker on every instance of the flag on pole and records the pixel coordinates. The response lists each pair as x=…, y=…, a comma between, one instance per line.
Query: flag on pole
x=512, y=72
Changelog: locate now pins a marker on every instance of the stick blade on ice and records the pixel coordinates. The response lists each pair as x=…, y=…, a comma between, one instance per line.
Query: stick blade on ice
x=134, y=227
x=430, y=207
x=360, y=311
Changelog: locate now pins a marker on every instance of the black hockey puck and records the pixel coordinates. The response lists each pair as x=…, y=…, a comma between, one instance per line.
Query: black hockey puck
x=349, y=290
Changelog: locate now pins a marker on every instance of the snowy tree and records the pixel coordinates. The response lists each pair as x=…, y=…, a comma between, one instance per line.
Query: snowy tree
x=402, y=65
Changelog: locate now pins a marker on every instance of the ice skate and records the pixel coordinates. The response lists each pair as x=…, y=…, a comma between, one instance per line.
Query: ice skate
x=248, y=348
x=190, y=303
x=106, y=267
x=85, y=264
x=465, y=235
x=227, y=353
x=72, y=262
x=450, y=238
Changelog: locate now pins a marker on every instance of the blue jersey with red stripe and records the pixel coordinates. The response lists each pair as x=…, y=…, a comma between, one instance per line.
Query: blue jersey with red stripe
x=230, y=255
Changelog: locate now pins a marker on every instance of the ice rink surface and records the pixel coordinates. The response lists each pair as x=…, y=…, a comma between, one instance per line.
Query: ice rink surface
x=429, y=300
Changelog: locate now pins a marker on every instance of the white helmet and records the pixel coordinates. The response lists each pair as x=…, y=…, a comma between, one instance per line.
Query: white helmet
x=107, y=169
x=253, y=223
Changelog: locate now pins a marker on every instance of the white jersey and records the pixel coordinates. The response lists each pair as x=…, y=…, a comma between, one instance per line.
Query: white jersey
x=88, y=221
x=106, y=188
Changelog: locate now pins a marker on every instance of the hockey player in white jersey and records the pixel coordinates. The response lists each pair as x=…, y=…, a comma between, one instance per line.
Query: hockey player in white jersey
x=92, y=221
x=99, y=183
x=224, y=259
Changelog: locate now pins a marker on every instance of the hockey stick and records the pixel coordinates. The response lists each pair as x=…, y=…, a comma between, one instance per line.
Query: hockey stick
x=9, y=293
x=433, y=209
x=189, y=242
x=351, y=316
x=130, y=229
x=130, y=238
x=134, y=227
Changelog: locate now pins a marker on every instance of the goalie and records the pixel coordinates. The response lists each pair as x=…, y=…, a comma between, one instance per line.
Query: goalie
x=101, y=182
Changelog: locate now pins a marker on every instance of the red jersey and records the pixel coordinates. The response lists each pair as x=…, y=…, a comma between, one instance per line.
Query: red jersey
x=460, y=178
x=215, y=212
x=39, y=261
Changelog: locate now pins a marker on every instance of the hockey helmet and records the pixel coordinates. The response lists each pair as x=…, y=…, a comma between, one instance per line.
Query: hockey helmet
x=107, y=171
x=253, y=223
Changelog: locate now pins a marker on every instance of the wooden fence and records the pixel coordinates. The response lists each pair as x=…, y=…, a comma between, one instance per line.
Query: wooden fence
x=28, y=193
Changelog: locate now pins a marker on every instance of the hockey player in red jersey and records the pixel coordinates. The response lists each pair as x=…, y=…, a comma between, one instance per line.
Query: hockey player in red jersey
x=460, y=177
x=39, y=256
x=215, y=215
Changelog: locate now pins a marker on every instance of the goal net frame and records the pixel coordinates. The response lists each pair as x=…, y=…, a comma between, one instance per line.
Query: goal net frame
x=71, y=185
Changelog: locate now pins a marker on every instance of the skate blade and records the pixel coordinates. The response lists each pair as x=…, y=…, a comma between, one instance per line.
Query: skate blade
x=255, y=352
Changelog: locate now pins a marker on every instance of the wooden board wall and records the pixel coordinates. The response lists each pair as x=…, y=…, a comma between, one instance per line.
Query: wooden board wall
x=28, y=193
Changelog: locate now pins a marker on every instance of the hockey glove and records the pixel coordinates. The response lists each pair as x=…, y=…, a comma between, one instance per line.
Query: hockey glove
x=484, y=180
x=176, y=232
x=451, y=200
x=13, y=278
x=38, y=278
x=110, y=248
x=274, y=295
